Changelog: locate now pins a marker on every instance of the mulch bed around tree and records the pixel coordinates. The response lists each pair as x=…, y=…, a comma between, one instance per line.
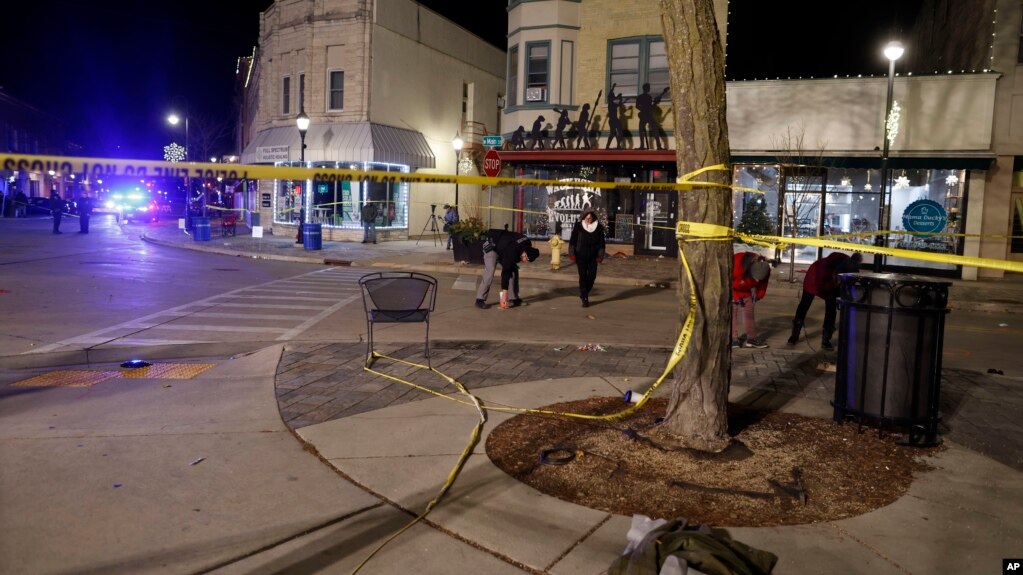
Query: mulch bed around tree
x=781, y=469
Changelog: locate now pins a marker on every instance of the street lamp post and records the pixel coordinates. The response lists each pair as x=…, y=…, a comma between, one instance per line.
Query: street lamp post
x=173, y=119
x=302, y=121
x=457, y=144
x=893, y=51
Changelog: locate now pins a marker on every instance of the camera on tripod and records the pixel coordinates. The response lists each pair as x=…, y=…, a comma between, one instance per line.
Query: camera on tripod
x=433, y=208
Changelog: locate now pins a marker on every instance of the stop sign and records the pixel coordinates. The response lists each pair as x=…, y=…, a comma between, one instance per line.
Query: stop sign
x=491, y=164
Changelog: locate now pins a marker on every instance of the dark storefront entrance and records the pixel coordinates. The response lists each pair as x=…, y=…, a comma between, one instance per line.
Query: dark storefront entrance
x=641, y=219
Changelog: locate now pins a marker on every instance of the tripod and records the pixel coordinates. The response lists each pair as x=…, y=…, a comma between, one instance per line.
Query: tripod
x=431, y=222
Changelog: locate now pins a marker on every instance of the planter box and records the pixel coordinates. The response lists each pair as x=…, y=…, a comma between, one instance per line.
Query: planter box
x=468, y=252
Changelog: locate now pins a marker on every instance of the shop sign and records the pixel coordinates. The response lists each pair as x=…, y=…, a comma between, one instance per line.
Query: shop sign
x=270, y=154
x=924, y=217
x=567, y=202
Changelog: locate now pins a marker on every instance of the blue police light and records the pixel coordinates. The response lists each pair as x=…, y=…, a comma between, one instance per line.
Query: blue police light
x=135, y=364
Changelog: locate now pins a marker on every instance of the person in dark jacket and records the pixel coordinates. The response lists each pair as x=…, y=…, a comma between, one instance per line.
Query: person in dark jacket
x=586, y=248
x=450, y=219
x=369, y=222
x=822, y=281
x=84, y=213
x=750, y=275
x=57, y=209
x=509, y=249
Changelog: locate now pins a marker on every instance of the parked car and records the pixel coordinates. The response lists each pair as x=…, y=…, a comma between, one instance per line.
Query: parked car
x=40, y=206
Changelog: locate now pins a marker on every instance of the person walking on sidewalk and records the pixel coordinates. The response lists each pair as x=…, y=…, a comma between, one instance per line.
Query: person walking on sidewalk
x=57, y=210
x=822, y=281
x=586, y=248
x=509, y=249
x=369, y=223
x=750, y=274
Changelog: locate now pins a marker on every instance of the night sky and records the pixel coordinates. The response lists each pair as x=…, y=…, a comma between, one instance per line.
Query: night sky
x=111, y=70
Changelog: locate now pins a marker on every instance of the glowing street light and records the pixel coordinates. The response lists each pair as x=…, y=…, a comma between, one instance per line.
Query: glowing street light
x=893, y=51
x=457, y=144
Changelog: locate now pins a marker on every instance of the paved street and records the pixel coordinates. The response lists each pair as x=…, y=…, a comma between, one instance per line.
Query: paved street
x=294, y=331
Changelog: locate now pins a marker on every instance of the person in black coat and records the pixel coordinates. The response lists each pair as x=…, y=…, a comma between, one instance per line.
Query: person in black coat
x=57, y=209
x=586, y=248
x=84, y=213
x=507, y=248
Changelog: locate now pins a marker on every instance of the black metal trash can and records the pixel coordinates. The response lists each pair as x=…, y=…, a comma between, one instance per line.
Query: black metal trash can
x=889, y=352
x=312, y=236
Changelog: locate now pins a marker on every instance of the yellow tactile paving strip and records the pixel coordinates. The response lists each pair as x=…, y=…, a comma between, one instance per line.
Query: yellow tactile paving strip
x=68, y=378
x=167, y=371
x=87, y=377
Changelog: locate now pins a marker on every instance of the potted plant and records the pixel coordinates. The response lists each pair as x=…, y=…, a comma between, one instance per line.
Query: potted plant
x=468, y=239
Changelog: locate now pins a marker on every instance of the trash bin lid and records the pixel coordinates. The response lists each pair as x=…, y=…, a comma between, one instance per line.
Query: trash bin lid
x=893, y=278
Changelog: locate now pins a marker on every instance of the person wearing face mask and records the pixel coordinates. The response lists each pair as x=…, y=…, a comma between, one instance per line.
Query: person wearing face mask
x=586, y=248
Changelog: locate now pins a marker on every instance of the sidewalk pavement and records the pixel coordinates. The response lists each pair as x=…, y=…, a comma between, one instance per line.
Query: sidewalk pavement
x=201, y=475
x=428, y=255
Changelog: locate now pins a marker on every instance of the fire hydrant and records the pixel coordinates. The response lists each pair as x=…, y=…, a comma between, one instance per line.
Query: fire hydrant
x=555, y=242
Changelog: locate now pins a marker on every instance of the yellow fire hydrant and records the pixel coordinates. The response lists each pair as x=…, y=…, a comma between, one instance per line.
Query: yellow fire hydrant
x=555, y=242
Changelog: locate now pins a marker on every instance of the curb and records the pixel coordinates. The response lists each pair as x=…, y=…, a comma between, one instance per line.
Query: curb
x=560, y=277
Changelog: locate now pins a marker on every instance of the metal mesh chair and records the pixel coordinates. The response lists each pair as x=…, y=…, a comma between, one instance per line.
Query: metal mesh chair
x=397, y=297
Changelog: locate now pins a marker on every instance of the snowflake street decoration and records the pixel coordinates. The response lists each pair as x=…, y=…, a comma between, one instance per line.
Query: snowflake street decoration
x=846, y=182
x=464, y=166
x=901, y=182
x=173, y=153
x=952, y=180
x=892, y=126
x=867, y=187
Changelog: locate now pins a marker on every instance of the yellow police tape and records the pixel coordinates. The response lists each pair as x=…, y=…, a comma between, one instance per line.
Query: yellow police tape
x=85, y=168
x=678, y=351
x=701, y=231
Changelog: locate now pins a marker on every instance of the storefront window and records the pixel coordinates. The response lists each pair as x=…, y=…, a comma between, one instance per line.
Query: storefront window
x=847, y=207
x=934, y=194
x=755, y=213
x=339, y=204
x=546, y=209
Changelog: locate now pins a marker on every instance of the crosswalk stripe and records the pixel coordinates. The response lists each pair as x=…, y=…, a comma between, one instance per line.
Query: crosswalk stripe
x=339, y=288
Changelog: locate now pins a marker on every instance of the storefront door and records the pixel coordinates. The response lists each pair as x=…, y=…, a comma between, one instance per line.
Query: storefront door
x=656, y=214
x=801, y=206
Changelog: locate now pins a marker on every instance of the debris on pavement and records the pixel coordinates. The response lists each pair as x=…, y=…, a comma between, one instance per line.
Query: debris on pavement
x=592, y=347
x=197, y=461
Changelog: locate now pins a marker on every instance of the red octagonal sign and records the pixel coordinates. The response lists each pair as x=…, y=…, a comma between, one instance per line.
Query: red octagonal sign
x=491, y=164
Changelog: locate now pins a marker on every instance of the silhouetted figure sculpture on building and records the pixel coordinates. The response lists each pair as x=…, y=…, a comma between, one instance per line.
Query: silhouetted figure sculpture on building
x=536, y=134
x=582, y=128
x=614, y=120
x=518, y=139
x=559, y=131
x=649, y=129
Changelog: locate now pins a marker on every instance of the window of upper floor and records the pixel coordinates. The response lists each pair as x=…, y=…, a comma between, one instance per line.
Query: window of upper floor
x=633, y=62
x=513, y=76
x=538, y=72
x=286, y=95
x=301, y=92
x=335, y=90
x=1019, y=57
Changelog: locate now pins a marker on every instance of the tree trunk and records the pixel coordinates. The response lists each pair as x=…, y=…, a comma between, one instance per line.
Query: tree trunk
x=697, y=415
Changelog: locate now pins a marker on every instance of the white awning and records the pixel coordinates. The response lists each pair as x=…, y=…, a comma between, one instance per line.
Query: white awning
x=344, y=142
